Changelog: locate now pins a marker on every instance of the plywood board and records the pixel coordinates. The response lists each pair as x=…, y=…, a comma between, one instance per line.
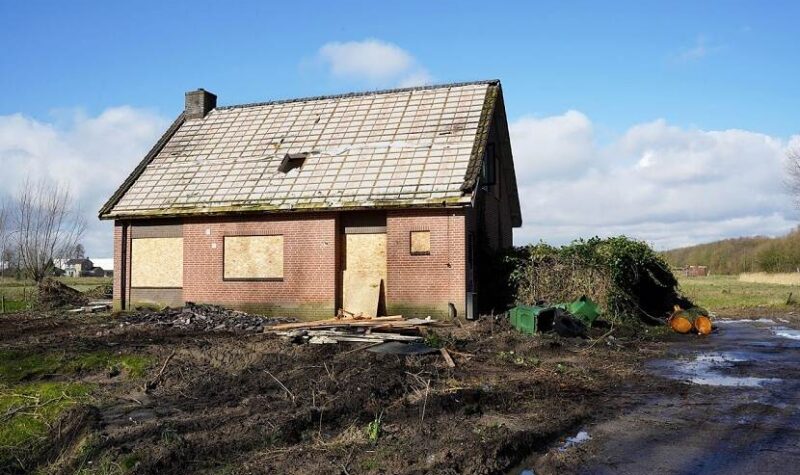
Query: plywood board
x=364, y=270
x=157, y=262
x=253, y=257
x=420, y=242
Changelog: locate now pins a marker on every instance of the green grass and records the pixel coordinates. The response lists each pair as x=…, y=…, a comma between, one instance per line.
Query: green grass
x=38, y=405
x=16, y=366
x=725, y=293
x=29, y=406
x=14, y=306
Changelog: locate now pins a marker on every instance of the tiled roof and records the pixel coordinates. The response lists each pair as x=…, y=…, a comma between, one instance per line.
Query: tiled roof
x=406, y=147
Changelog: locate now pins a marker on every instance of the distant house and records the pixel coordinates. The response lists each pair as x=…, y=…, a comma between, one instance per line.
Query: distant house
x=696, y=271
x=375, y=202
x=77, y=267
x=84, y=267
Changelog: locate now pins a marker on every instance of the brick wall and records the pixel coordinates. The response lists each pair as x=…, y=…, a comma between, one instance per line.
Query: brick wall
x=417, y=285
x=421, y=285
x=308, y=287
x=119, y=270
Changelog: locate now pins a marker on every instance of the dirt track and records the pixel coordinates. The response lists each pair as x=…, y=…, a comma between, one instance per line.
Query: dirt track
x=738, y=411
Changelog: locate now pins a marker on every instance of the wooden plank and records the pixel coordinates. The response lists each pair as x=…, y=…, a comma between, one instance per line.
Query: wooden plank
x=322, y=336
x=322, y=340
x=341, y=322
x=373, y=336
x=447, y=358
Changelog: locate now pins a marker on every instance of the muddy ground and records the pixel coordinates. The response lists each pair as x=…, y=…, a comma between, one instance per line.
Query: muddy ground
x=738, y=411
x=254, y=403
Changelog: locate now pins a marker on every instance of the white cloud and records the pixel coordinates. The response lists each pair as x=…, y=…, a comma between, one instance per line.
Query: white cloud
x=698, y=51
x=550, y=147
x=92, y=155
x=373, y=62
x=668, y=185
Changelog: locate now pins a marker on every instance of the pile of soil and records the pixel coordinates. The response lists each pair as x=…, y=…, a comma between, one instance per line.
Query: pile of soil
x=204, y=318
x=52, y=294
x=101, y=292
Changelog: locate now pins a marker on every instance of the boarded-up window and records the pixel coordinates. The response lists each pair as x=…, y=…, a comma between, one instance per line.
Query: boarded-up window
x=253, y=257
x=420, y=242
x=157, y=262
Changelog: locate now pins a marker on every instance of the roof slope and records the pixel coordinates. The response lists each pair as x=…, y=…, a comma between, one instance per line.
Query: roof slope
x=403, y=147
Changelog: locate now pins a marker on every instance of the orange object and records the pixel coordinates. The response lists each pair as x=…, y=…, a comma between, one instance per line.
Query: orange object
x=703, y=325
x=680, y=324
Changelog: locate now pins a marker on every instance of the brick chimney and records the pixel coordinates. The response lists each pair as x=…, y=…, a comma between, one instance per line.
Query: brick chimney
x=199, y=103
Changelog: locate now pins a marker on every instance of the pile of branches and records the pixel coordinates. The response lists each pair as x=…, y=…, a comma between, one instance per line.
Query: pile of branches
x=52, y=294
x=625, y=277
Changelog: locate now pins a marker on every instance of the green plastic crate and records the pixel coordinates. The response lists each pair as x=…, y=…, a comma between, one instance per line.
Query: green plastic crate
x=525, y=318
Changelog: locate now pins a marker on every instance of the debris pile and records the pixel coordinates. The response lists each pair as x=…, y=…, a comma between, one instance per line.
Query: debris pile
x=204, y=318
x=52, y=294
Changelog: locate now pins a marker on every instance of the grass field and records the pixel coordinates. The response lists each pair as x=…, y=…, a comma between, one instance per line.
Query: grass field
x=727, y=295
x=781, y=278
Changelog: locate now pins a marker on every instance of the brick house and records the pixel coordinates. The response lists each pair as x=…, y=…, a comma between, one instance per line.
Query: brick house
x=375, y=202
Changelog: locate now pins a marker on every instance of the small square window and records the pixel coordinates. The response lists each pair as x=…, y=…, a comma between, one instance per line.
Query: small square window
x=420, y=243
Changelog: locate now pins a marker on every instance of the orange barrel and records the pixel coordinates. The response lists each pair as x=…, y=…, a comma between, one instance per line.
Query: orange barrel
x=702, y=324
x=680, y=324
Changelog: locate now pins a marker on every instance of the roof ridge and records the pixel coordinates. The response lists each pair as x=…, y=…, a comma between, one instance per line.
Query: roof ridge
x=361, y=93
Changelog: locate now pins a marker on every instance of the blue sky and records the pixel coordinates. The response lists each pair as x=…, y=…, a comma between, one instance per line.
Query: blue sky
x=609, y=82
x=710, y=64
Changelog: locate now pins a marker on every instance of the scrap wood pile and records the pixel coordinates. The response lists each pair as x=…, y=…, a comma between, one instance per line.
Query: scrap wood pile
x=347, y=327
x=204, y=318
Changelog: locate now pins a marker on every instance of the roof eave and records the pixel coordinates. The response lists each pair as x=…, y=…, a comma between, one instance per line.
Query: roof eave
x=459, y=202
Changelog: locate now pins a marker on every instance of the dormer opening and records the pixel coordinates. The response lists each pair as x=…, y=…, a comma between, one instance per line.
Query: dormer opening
x=292, y=160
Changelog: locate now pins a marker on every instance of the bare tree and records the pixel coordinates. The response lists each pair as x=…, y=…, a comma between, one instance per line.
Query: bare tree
x=78, y=252
x=46, y=225
x=3, y=235
x=793, y=173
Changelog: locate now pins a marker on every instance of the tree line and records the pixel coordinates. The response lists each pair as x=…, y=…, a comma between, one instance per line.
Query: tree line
x=748, y=254
x=38, y=224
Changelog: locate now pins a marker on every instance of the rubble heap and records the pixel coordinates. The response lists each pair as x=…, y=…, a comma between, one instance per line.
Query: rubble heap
x=204, y=318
